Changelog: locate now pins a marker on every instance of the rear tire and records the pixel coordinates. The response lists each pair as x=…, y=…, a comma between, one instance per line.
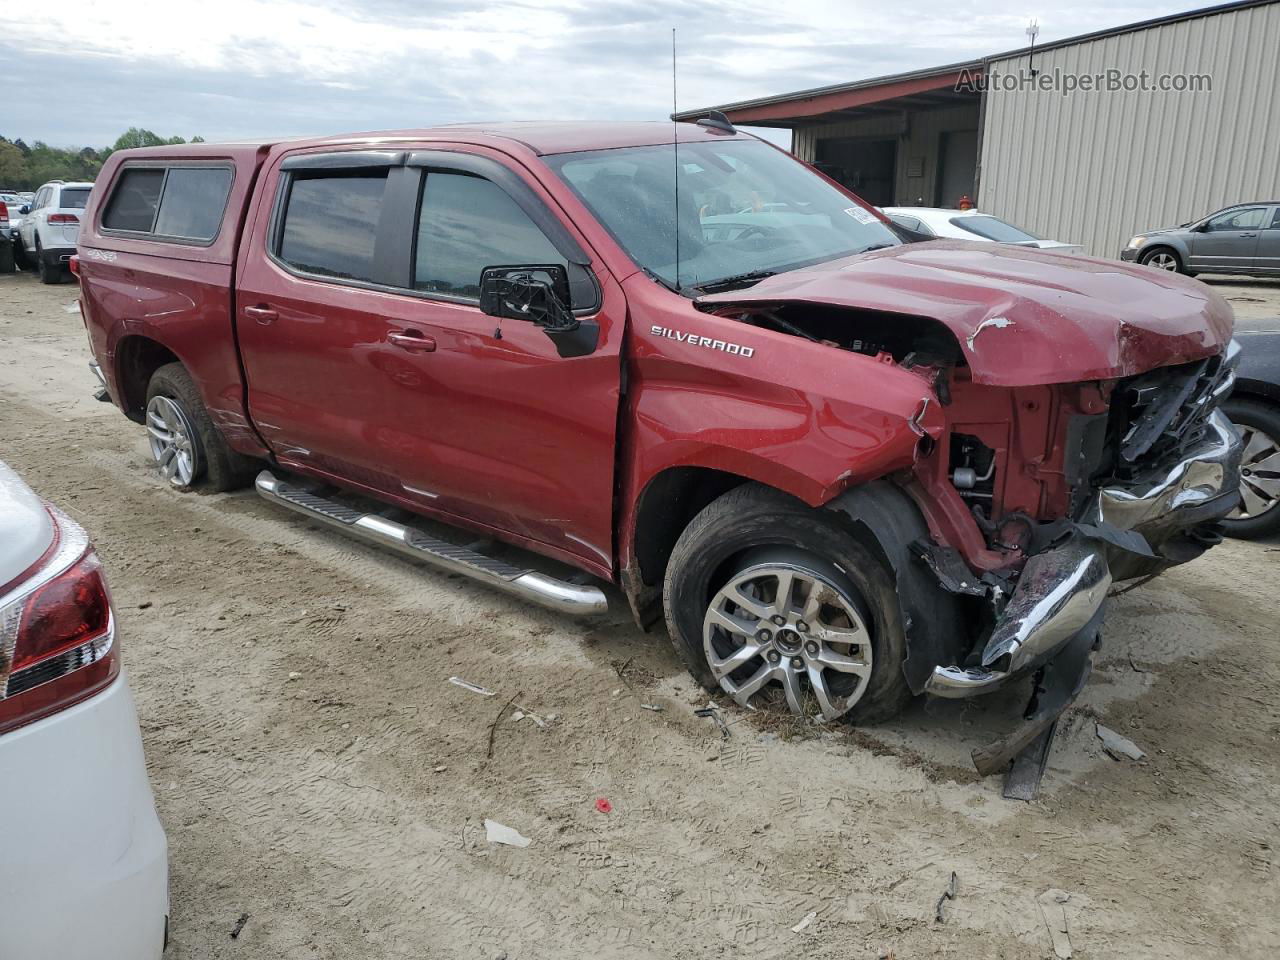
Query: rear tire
x=179, y=429
x=48, y=274
x=1259, y=513
x=840, y=633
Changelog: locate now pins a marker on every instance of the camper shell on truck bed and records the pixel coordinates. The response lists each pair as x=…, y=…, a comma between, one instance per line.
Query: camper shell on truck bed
x=847, y=469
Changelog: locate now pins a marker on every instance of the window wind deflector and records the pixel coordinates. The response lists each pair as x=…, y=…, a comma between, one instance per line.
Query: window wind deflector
x=345, y=160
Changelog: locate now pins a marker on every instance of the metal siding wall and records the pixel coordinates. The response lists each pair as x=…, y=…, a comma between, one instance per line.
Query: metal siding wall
x=1098, y=167
x=924, y=130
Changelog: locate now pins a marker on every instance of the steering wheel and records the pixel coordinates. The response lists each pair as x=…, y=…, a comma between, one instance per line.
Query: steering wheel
x=756, y=229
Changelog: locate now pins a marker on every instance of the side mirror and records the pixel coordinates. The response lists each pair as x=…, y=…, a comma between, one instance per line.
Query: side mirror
x=24, y=209
x=539, y=294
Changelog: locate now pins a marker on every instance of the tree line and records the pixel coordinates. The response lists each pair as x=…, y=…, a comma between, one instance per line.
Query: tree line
x=25, y=167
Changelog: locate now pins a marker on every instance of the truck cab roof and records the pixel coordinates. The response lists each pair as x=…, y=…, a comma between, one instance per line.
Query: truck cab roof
x=539, y=137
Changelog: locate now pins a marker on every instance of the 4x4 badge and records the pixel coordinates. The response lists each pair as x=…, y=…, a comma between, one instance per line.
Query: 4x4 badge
x=736, y=349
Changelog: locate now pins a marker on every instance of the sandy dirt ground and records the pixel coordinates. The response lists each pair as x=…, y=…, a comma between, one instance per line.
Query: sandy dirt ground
x=315, y=769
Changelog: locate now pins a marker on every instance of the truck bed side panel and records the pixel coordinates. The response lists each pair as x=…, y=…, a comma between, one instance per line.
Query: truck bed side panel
x=178, y=296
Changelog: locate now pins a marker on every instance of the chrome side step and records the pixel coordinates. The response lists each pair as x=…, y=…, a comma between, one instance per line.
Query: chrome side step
x=529, y=585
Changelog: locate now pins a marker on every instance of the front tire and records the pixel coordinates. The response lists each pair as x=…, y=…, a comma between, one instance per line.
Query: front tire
x=769, y=600
x=1259, y=512
x=1163, y=258
x=187, y=448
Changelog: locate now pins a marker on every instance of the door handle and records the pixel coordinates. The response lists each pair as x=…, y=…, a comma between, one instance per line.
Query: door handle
x=1246, y=236
x=263, y=315
x=412, y=340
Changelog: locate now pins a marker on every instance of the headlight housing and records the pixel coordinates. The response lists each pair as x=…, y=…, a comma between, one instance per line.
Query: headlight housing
x=1137, y=241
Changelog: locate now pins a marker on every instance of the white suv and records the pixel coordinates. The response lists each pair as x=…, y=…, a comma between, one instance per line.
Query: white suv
x=50, y=227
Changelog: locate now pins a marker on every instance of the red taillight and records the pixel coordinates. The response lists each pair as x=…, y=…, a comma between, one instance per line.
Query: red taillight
x=69, y=610
x=4, y=210
x=57, y=639
x=63, y=218
x=74, y=265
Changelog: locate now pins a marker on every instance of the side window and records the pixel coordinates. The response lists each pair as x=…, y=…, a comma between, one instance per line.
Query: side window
x=133, y=203
x=331, y=222
x=902, y=220
x=465, y=224
x=1248, y=219
x=193, y=202
x=1275, y=220
x=174, y=203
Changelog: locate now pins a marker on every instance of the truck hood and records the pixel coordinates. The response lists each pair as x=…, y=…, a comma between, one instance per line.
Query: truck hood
x=26, y=531
x=1022, y=318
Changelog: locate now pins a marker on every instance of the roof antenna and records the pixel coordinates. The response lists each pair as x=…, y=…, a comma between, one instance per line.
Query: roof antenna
x=675, y=152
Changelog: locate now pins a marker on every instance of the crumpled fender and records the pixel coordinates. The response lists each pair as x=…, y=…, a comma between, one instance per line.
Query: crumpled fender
x=887, y=521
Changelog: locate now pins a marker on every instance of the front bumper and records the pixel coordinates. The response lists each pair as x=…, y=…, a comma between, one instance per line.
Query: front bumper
x=1129, y=254
x=1061, y=590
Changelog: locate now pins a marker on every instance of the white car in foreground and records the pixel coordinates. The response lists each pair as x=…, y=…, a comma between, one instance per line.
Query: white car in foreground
x=83, y=868
x=971, y=225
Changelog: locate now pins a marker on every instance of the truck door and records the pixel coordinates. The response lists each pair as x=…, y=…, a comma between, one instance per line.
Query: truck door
x=368, y=360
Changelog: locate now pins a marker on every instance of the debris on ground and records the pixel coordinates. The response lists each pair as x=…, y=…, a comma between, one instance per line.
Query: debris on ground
x=1022, y=780
x=496, y=832
x=239, y=925
x=459, y=682
x=809, y=917
x=493, y=727
x=948, y=894
x=1117, y=746
x=655, y=707
x=603, y=805
x=1053, y=909
x=712, y=711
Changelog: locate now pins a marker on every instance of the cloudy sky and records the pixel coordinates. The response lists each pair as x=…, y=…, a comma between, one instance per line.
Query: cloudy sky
x=80, y=72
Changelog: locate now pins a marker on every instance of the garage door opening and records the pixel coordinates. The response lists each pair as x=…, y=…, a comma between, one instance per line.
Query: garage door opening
x=867, y=167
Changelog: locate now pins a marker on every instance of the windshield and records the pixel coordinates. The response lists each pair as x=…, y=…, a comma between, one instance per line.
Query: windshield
x=746, y=210
x=993, y=229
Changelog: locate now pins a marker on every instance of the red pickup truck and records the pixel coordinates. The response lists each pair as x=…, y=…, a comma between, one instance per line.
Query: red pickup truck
x=850, y=467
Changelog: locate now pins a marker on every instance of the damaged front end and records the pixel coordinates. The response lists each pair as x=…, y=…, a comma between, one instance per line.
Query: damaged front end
x=1145, y=483
x=1076, y=443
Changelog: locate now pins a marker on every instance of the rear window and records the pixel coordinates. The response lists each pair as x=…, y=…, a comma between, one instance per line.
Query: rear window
x=74, y=198
x=993, y=229
x=176, y=203
x=331, y=223
x=193, y=202
x=134, y=201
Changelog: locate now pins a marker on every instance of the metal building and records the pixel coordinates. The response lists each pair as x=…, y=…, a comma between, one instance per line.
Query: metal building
x=1089, y=166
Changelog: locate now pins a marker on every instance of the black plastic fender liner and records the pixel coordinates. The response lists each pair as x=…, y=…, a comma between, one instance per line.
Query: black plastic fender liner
x=936, y=623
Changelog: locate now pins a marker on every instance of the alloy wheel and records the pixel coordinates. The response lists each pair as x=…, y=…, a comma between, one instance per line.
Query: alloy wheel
x=1163, y=261
x=172, y=441
x=1259, y=473
x=781, y=622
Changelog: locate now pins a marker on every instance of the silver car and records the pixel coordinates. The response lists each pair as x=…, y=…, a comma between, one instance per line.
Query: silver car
x=1243, y=239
